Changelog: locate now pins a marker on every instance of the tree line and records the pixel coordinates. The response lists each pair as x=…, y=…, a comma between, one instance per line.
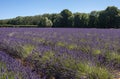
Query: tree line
x=108, y=18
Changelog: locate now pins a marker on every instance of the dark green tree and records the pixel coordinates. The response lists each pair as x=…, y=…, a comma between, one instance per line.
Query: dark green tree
x=57, y=22
x=12, y=21
x=45, y=22
x=107, y=18
x=71, y=21
x=81, y=20
x=93, y=19
x=36, y=19
x=117, y=21
x=66, y=14
x=77, y=19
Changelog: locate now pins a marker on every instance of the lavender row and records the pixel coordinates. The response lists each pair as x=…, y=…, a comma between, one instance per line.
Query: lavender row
x=62, y=53
x=10, y=65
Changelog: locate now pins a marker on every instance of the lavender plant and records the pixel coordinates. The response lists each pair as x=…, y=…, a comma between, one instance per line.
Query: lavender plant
x=53, y=53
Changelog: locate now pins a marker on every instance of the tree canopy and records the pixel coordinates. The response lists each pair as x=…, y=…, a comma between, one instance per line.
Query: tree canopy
x=108, y=18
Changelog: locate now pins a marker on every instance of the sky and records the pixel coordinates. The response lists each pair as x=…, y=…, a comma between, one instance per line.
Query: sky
x=14, y=8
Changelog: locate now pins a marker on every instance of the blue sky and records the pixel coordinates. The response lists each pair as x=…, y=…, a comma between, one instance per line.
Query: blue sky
x=13, y=8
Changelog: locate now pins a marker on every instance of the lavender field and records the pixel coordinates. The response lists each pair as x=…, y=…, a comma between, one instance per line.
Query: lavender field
x=59, y=53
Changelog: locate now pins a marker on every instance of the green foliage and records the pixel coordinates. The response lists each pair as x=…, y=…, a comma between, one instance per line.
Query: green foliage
x=60, y=44
x=66, y=13
x=113, y=56
x=92, y=72
x=96, y=52
x=44, y=58
x=47, y=56
x=99, y=73
x=20, y=51
x=65, y=20
x=117, y=21
x=93, y=19
x=77, y=19
x=45, y=22
x=81, y=20
x=71, y=46
x=27, y=50
x=108, y=18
